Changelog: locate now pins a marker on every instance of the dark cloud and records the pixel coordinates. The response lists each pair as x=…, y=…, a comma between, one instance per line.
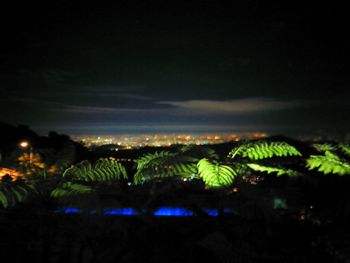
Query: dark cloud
x=250, y=65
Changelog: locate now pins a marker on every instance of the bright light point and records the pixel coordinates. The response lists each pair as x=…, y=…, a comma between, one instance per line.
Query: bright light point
x=24, y=144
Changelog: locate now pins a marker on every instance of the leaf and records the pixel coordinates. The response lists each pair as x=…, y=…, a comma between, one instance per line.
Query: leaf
x=269, y=169
x=322, y=147
x=3, y=199
x=69, y=189
x=345, y=148
x=215, y=175
x=328, y=163
x=198, y=152
x=15, y=192
x=104, y=170
x=261, y=150
x=164, y=164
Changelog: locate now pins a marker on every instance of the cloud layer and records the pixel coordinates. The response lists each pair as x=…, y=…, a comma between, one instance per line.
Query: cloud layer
x=239, y=106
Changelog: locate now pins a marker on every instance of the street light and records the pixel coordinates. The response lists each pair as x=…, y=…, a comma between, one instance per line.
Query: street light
x=25, y=145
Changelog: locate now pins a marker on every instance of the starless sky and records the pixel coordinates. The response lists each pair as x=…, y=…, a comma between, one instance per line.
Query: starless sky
x=172, y=66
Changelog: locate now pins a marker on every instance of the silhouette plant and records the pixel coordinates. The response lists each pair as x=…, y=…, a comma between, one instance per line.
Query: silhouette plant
x=14, y=192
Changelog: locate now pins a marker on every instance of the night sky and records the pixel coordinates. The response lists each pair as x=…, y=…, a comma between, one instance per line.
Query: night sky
x=192, y=66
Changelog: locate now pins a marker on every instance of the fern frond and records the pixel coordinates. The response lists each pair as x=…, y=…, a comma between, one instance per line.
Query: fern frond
x=322, y=147
x=269, y=169
x=185, y=169
x=328, y=163
x=154, y=159
x=104, y=170
x=199, y=152
x=69, y=189
x=262, y=150
x=214, y=174
x=164, y=164
x=345, y=148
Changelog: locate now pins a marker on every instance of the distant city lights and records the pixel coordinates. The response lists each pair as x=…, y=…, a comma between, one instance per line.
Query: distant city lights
x=135, y=141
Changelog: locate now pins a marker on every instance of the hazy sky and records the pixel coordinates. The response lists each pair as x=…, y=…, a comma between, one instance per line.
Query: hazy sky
x=181, y=67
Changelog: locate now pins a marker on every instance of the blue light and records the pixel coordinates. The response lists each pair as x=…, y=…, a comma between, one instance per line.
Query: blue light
x=211, y=212
x=71, y=210
x=172, y=211
x=160, y=211
x=127, y=211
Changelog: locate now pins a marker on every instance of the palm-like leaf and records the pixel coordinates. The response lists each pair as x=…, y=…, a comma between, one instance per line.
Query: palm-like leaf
x=104, y=170
x=13, y=192
x=215, y=174
x=328, y=163
x=262, y=150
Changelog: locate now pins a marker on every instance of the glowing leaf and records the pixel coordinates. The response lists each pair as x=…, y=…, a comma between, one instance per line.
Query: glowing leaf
x=262, y=150
x=328, y=163
x=214, y=174
x=104, y=170
x=268, y=169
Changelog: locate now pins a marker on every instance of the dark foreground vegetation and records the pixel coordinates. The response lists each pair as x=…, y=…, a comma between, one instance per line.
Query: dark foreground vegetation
x=288, y=202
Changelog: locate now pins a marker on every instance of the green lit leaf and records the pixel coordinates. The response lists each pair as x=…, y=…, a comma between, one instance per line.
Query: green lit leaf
x=215, y=174
x=104, y=170
x=345, y=148
x=70, y=189
x=322, y=147
x=165, y=164
x=268, y=169
x=328, y=163
x=262, y=150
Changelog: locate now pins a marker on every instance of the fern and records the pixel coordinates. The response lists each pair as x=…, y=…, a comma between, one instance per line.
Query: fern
x=15, y=192
x=262, y=150
x=214, y=174
x=185, y=169
x=345, y=148
x=69, y=189
x=164, y=164
x=154, y=159
x=322, y=147
x=104, y=170
x=199, y=152
x=328, y=163
x=269, y=169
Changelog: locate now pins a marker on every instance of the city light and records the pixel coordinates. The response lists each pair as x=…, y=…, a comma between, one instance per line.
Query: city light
x=136, y=141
